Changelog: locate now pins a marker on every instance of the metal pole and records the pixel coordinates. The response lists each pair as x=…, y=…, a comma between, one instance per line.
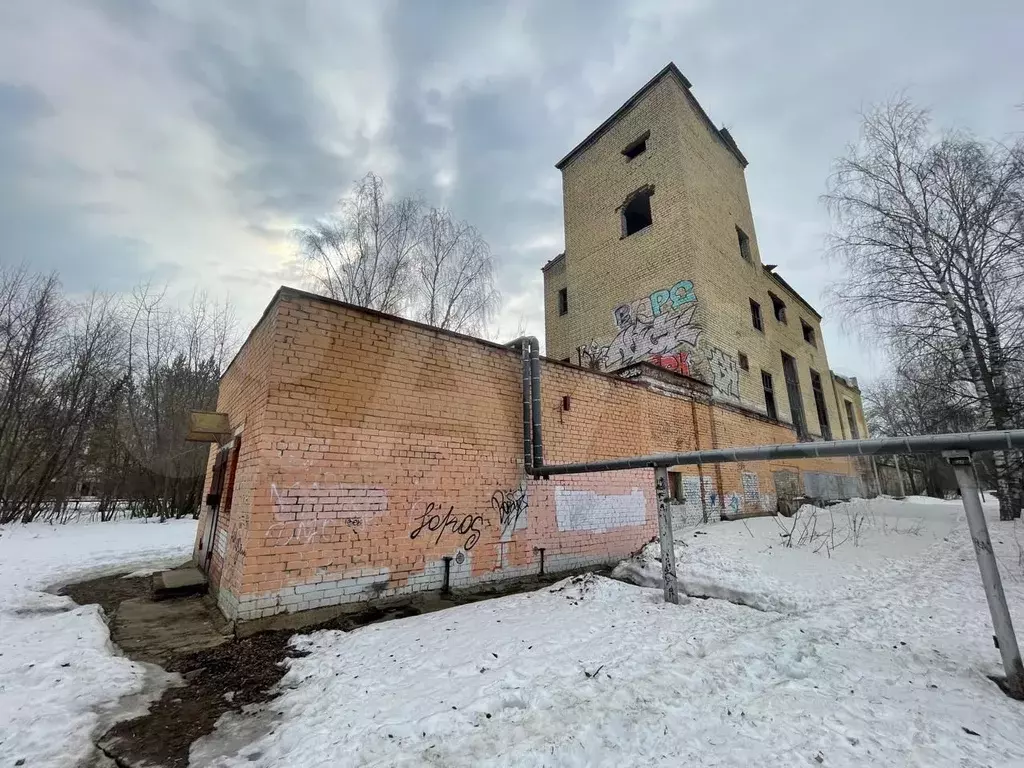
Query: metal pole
x=668, y=545
x=1001, y=440
x=899, y=475
x=1005, y=638
x=878, y=483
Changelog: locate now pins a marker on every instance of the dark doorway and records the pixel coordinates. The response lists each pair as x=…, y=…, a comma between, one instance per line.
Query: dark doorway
x=219, y=498
x=796, y=402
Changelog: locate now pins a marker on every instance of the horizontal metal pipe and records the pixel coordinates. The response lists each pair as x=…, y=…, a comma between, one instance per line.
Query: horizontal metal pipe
x=970, y=441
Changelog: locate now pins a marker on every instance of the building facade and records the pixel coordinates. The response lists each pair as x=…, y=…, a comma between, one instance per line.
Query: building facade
x=372, y=458
x=662, y=265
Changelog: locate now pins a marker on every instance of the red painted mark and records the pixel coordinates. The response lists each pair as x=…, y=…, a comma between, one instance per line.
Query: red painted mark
x=679, y=362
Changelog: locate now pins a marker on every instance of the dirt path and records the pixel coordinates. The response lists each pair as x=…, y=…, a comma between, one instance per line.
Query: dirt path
x=219, y=672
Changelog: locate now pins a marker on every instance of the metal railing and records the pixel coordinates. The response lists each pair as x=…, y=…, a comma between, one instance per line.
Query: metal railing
x=957, y=449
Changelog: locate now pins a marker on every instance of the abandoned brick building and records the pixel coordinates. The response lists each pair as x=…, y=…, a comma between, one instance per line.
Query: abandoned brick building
x=661, y=264
x=371, y=457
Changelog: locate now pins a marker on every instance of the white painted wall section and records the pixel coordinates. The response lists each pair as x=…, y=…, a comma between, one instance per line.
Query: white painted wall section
x=590, y=511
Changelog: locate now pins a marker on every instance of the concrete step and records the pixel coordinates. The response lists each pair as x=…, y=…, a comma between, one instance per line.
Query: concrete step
x=179, y=582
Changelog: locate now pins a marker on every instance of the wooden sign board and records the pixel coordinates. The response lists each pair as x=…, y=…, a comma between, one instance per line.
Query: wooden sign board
x=208, y=427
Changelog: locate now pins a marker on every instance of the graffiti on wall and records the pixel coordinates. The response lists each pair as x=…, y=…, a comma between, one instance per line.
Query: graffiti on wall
x=660, y=327
x=725, y=373
x=305, y=513
x=597, y=512
x=691, y=493
x=710, y=493
x=436, y=519
x=751, y=488
x=511, y=507
x=732, y=503
x=678, y=362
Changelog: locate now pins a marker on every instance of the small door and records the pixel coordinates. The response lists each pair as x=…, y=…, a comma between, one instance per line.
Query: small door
x=219, y=497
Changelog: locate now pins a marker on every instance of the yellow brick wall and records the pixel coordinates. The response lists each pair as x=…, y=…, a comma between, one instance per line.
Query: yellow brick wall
x=847, y=390
x=700, y=198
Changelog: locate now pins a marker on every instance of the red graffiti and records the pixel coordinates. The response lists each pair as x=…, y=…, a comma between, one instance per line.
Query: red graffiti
x=679, y=362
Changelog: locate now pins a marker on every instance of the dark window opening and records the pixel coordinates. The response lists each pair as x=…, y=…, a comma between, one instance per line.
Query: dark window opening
x=852, y=420
x=819, y=405
x=744, y=244
x=769, y=395
x=808, y=333
x=675, y=486
x=222, y=485
x=778, y=308
x=563, y=301
x=744, y=362
x=796, y=403
x=755, y=315
x=636, y=214
x=637, y=147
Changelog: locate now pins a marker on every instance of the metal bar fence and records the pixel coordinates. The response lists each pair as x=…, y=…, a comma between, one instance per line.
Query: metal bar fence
x=956, y=447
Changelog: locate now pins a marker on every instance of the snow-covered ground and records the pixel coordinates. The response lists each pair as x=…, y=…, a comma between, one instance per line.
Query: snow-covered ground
x=869, y=643
x=59, y=673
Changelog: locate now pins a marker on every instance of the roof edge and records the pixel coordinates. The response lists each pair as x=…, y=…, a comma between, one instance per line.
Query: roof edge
x=552, y=262
x=778, y=278
x=723, y=134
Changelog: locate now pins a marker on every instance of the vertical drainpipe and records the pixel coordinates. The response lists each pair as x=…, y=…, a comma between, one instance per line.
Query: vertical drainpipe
x=538, y=445
x=533, y=449
x=527, y=422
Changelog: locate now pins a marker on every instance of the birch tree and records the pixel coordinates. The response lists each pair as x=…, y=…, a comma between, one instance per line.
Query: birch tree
x=392, y=255
x=928, y=229
x=364, y=253
x=454, y=280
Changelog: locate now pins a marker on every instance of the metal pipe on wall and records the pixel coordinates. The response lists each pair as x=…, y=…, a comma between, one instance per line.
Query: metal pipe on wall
x=535, y=407
x=975, y=441
x=533, y=447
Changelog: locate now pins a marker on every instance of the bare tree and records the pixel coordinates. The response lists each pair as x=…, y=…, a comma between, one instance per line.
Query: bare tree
x=929, y=231
x=364, y=254
x=59, y=363
x=917, y=398
x=174, y=360
x=388, y=254
x=454, y=275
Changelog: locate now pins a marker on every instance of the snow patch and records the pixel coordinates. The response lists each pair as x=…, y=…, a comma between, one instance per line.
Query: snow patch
x=871, y=652
x=61, y=677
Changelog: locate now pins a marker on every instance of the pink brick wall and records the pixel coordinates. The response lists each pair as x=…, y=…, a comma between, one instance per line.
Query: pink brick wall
x=373, y=448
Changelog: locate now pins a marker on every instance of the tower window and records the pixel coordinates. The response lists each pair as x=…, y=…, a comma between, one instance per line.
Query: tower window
x=778, y=308
x=819, y=405
x=636, y=213
x=851, y=420
x=755, y=315
x=808, y=333
x=744, y=362
x=563, y=301
x=769, y=395
x=744, y=244
x=637, y=147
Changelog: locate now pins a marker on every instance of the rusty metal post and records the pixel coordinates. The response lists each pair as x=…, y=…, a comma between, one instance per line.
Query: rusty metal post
x=1006, y=640
x=668, y=546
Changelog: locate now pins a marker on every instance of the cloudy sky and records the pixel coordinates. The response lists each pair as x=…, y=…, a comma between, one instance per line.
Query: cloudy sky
x=183, y=142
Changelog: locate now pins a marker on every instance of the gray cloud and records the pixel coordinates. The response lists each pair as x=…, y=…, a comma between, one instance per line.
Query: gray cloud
x=187, y=140
x=267, y=117
x=50, y=234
